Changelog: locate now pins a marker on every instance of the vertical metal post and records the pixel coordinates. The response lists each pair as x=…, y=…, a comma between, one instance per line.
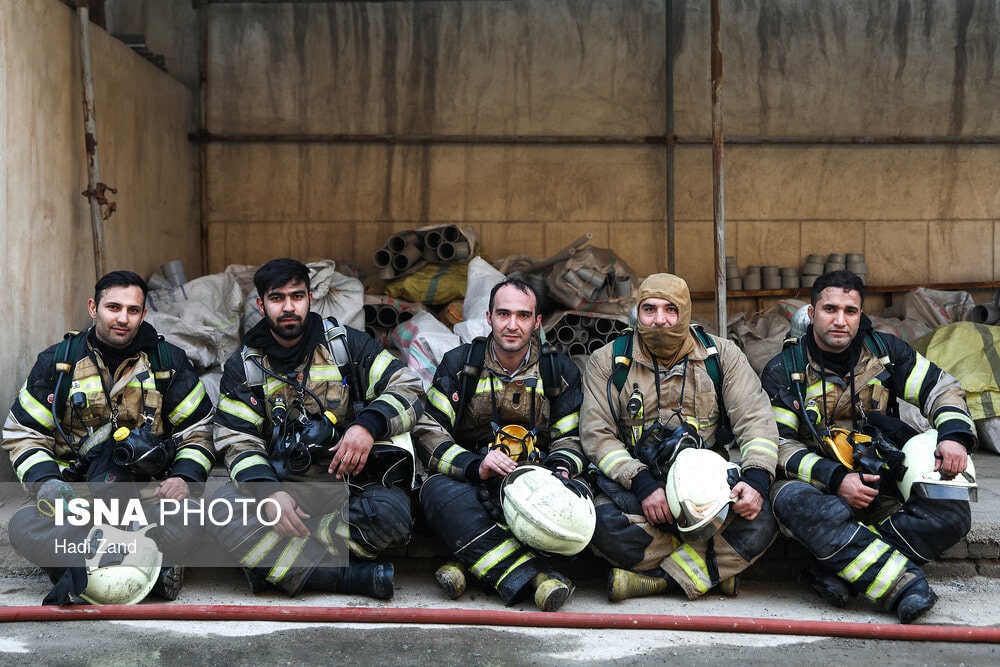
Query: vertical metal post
x=90, y=138
x=718, y=199
x=202, y=8
x=671, y=144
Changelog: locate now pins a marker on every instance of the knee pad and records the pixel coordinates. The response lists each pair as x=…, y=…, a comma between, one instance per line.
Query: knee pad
x=380, y=517
x=453, y=510
x=439, y=492
x=616, y=538
x=822, y=522
x=750, y=539
x=925, y=528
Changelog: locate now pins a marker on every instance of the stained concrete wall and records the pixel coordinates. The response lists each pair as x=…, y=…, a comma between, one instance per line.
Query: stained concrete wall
x=921, y=213
x=143, y=121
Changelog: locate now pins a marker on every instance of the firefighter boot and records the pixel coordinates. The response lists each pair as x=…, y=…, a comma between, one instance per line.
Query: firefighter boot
x=550, y=593
x=372, y=579
x=830, y=587
x=257, y=583
x=170, y=582
x=915, y=600
x=730, y=586
x=625, y=584
x=451, y=577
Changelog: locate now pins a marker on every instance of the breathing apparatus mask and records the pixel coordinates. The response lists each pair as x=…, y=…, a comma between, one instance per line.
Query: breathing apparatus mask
x=658, y=448
x=301, y=441
x=142, y=453
x=866, y=451
x=517, y=442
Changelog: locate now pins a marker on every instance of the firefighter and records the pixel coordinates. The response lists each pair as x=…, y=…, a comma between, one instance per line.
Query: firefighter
x=313, y=423
x=495, y=403
x=834, y=393
x=110, y=405
x=648, y=396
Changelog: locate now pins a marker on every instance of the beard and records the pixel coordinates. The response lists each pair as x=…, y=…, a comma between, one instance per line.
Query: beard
x=287, y=327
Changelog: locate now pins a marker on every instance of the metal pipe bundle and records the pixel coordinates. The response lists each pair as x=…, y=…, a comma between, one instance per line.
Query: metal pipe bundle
x=583, y=334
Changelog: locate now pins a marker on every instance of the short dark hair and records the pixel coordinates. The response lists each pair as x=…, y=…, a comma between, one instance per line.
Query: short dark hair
x=845, y=280
x=279, y=272
x=518, y=284
x=119, y=279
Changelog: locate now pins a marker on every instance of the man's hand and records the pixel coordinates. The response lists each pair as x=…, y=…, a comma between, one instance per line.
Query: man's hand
x=174, y=488
x=950, y=458
x=655, y=507
x=496, y=464
x=748, y=501
x=351, y=453
x=290, y=522
x=855, y=492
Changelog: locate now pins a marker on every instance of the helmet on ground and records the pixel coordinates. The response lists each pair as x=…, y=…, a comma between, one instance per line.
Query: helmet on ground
x=516, y=442
x=546, y=512
x=699, y=491
x=921, y=480
x=123, y=566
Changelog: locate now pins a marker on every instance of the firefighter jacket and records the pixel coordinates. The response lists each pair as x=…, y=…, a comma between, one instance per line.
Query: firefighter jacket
x=183, y=411
x=913, y=378
x=686, y=394
x=455, y=444
x=386, y=392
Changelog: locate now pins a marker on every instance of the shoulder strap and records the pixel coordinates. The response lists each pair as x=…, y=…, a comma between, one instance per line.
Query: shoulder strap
x=336, y=342
x=876, y=345
x=162, y=365
x=252, y=369
x=474, y=360
x=794, y=361
x=714, y=369
x=621, y=358
x=68, y=352
x=551, y=377
x=335, y=338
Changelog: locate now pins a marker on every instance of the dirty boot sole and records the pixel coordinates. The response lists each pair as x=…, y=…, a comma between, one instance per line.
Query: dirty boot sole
x=451, y=578
x=551, y=595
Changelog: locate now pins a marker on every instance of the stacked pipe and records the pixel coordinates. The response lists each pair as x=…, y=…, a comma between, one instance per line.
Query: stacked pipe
x=382, y=318
x=406, y=250
x=595, y=286
x=577, y=334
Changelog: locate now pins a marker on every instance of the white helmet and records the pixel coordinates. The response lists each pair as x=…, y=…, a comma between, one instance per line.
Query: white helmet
x=920, y=479
x=547, y=513
x=699, y=493
x=123, y=566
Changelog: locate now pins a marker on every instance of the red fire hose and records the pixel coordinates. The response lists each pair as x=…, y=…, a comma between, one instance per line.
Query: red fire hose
x=500, y=618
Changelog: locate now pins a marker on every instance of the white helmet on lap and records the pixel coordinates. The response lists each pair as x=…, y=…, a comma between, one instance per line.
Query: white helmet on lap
x=699, y=492
x=123, y=566
x=546, y=513
x=920, y=479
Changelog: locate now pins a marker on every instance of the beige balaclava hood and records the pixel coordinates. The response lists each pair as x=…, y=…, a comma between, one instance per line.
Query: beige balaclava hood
x=668, y=344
